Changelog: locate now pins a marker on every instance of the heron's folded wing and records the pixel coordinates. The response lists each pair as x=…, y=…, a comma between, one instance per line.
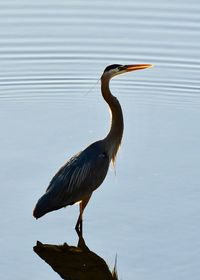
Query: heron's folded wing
x=80, y=176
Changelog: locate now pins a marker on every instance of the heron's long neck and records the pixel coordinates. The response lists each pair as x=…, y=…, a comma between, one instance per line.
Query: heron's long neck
x=114, y=137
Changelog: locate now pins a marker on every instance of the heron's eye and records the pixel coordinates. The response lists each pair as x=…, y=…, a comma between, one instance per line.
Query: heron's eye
x=120, y=68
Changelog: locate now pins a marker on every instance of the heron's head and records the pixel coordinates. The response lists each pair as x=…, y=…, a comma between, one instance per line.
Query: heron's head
x=117, y=69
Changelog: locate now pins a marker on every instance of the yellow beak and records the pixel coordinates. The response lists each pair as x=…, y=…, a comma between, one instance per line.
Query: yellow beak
x=133, y=67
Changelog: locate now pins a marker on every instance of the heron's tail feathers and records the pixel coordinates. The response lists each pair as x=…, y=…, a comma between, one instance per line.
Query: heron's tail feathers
x=43, y=206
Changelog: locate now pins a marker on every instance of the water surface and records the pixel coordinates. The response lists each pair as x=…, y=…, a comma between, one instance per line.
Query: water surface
x=51, y=57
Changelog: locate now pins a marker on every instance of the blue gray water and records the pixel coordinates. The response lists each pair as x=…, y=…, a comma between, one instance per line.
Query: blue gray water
x=51, y=57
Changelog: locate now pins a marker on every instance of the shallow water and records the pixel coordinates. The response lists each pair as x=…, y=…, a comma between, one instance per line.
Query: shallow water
x=51, y=57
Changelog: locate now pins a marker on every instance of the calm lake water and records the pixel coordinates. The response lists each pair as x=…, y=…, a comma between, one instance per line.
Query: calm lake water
x=147, y=210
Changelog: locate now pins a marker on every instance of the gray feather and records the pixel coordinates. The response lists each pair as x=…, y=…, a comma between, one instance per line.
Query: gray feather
x=79, y=177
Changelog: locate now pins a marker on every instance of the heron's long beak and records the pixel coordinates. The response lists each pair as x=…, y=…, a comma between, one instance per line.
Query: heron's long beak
x=128, y=68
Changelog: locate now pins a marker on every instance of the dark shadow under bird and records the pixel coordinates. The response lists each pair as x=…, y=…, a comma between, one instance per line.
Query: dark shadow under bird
x=75, y=262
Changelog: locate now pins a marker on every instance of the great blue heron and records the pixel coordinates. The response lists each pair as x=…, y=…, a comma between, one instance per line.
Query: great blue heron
x=85, y=172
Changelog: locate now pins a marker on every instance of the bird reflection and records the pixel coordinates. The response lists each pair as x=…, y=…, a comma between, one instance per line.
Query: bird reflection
x=75, y=262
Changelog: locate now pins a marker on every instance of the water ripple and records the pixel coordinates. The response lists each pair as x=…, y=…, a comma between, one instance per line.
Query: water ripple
x=58, y=51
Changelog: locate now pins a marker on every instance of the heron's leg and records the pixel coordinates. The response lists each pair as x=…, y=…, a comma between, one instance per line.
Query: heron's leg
x=79, y=224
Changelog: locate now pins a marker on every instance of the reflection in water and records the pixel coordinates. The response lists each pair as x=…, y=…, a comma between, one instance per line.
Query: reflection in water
x=75, y=263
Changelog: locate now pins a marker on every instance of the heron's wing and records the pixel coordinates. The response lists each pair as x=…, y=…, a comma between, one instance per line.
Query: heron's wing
x=80, y=176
